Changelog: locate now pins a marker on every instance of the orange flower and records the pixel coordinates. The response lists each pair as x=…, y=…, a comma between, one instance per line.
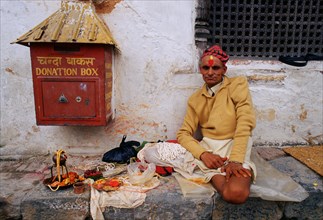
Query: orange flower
x=114, y=183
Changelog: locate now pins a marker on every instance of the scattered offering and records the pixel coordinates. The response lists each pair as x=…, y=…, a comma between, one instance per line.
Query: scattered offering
x=67, y=180
x=107, y=184
x=93, y=174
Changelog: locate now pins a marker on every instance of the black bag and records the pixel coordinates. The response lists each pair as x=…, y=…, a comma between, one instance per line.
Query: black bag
x=123, y=153
x=299, y=61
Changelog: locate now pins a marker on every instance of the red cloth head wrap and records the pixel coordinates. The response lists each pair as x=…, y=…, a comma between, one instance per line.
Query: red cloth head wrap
x=217, y=52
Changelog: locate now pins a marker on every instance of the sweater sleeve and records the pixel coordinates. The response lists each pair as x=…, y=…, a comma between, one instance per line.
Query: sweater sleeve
x=186, y=132
x=245, y=116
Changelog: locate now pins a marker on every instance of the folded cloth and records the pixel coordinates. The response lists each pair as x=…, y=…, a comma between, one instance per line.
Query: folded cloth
x=127, y=196
x=118, y=199
x=184, y=160
x=192, y=189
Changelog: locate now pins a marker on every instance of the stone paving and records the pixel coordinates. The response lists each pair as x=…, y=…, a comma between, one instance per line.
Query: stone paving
x=23, y=196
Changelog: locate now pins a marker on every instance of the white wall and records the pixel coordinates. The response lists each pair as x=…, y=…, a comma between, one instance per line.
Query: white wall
x=154, y=74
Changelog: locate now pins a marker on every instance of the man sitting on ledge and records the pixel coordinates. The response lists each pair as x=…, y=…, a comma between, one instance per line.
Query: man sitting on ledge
x=223, y=111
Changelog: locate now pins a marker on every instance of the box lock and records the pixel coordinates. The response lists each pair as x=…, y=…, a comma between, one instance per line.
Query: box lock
x=62, y=99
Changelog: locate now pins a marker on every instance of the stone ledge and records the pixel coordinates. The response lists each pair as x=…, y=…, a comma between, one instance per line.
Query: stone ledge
x=167, y=202
x=42, y=203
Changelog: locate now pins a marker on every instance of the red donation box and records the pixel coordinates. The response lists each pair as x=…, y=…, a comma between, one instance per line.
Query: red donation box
x=71, y=57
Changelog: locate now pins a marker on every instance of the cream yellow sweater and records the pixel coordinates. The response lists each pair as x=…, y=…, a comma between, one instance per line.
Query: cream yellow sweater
x=227, y=115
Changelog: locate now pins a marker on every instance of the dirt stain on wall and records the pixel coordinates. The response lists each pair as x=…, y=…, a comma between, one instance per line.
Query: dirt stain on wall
x=267, y=114
x=279, y=78
x=130, y=122
x=35, y=128
x=9, y=70
x=293, y=128
x=303, y=114
x=105, y=6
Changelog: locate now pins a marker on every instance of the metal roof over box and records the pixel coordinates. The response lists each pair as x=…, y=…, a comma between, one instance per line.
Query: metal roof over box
x=74, y=22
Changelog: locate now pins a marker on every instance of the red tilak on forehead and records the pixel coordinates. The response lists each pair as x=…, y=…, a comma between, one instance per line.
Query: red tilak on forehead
x=211, y=61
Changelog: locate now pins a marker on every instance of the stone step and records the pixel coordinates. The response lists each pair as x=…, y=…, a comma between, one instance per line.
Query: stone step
x=36, y=201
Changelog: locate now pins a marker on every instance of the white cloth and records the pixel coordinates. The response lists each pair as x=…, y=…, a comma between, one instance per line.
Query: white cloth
x=274, y=185
x=127, y=196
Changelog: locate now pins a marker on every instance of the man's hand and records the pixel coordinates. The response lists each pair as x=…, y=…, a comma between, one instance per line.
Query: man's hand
x=236, y=169
x=212, y=161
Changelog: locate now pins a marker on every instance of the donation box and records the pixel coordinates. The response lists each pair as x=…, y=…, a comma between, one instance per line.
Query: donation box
x=71, y=59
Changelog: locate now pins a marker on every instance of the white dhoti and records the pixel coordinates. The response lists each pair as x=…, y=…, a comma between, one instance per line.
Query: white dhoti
x=269, y=183
x=174, y=155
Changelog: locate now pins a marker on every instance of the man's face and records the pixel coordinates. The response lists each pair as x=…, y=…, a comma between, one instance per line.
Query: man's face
x=212, y=70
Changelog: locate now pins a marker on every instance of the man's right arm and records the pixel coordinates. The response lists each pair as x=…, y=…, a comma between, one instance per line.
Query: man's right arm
x=186, y=132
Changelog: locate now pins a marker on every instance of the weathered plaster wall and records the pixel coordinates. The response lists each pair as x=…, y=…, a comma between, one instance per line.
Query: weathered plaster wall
x=154, y=74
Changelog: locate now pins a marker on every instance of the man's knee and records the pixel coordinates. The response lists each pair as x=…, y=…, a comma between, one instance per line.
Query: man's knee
x=235, y=195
